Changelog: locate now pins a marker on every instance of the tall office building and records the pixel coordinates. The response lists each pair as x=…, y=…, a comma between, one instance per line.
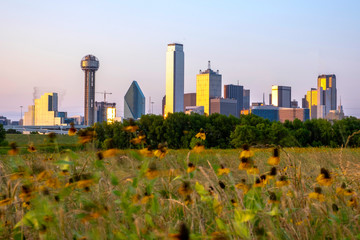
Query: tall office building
x=44, y=112
x=235, y=92
x=281, y=96
x=328, y=84
x=104, y=111
x=246, y=101
x=174, y=78
x=208, y=86
x=323, y=99
x=223, y=106
x=89, y=64
x=134, y=102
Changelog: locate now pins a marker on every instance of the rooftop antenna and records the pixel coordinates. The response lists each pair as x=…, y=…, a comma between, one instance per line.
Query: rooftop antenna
x=209, y=67
x=238, y=82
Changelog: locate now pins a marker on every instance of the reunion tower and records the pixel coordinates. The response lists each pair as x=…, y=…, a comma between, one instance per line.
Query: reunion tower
x=89, y=64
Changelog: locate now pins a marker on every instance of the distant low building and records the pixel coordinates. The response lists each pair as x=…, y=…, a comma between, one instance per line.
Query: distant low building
x=189, y=100
x=268, y=112
x=223, y=106
x=194, y=109
x=291, y=114
x=4, y=121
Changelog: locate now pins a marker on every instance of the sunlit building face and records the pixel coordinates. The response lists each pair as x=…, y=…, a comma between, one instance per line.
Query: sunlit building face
x=174, y=78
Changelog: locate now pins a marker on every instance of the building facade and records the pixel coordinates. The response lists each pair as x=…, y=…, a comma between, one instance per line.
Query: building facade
x=268, y=112
x=291, y=114
x=223, y=106
x=189, y=100
x=44, y=112
x=208, y=86
x=102, y=109
x=89, y=64
x=134, y=102
x=235, y=92
x=281, y=96
x=246, y=101
x=174, y=78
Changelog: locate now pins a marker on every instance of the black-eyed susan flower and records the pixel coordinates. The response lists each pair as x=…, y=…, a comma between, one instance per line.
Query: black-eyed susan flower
x=53, y=183
x=283, y=181
x=324, y=178
x=245, y=163
x=191, y=168
x=352, y=202
x=86, y=135
x=275, y=159
x=246, y=152
x=17, y=175
x=342, y=191
x=26, y=193
x=44, y=175
x=233, y=202
x=272, y=173
x=13, y=149
x=223, y=170
x=317, y=195
x=243, y=186
x=199, y=147
x=139, y=139
x=85, y=184
x=72, y=130
x=253, y=170
x=259, y=183
x=132, y=126
x=31, y=148
x=152, y=172
x=201, y=134
x=110, y=153
x=185, y=189
x=147, y=152
x=272, y=198
x=184, y=233
x=145, y=199
x=161, y=151
x=211, y=191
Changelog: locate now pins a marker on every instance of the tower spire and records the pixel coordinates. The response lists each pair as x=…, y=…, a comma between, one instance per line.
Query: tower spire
x=209, y=66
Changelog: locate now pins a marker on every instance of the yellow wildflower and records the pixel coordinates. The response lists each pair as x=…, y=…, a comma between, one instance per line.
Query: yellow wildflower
x=282, y=182
x=352, y=202
x=185, y=189
x=222, y=170
x=275, y=159
x=324, y=178
x=5, y=202
x=161, y=151
x=242, y=186
x=14, y=149
x=198, y=148
x=191, y=168
x=273, y=198
x=110, y=153
x=244, y=164
x=252, y=171
x=72, y=130
x=317, y=195
x=201, y=134
x=246, y=153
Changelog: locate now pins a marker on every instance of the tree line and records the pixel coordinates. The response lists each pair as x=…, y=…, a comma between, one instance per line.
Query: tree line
x=178, y=131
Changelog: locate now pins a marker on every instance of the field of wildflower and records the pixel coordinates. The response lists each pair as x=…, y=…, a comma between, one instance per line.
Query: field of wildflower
x=272, y=193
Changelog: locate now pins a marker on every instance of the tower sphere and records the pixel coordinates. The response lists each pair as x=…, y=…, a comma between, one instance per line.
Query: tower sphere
x=90, y=62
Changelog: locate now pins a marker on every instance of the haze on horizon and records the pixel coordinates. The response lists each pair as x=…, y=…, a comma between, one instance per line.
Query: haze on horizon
x=255, y=43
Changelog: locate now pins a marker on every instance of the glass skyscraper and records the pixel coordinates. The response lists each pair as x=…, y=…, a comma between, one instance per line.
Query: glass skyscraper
x=174, y=78
x=235, y=92
x=134, y=102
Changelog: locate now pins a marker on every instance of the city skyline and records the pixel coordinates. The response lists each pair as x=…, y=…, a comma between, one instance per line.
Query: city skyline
x=251, y=46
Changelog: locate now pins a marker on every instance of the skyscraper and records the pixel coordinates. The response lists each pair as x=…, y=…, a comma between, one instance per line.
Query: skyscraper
x=89, y=64
x=208, y=86
x=328, y=83
x=235, y=92
x=174, y=78
x=189, y=100
x=44, y=112
x=281, y=96
x=246, y=102
x=134, y=102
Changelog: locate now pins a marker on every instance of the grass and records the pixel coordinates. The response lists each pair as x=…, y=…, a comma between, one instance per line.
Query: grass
x=24, y=139
x=123, y=195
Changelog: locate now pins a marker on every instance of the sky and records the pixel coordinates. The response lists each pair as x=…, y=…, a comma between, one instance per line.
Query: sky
x=256, y=43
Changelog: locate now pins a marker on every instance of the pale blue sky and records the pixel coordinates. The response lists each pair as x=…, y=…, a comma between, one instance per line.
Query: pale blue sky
x=258, y=43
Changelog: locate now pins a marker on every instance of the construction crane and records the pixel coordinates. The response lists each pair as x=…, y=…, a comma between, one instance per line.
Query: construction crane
x=105, y=93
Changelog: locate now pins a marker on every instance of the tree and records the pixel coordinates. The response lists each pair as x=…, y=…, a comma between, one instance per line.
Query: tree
x=2, y=134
